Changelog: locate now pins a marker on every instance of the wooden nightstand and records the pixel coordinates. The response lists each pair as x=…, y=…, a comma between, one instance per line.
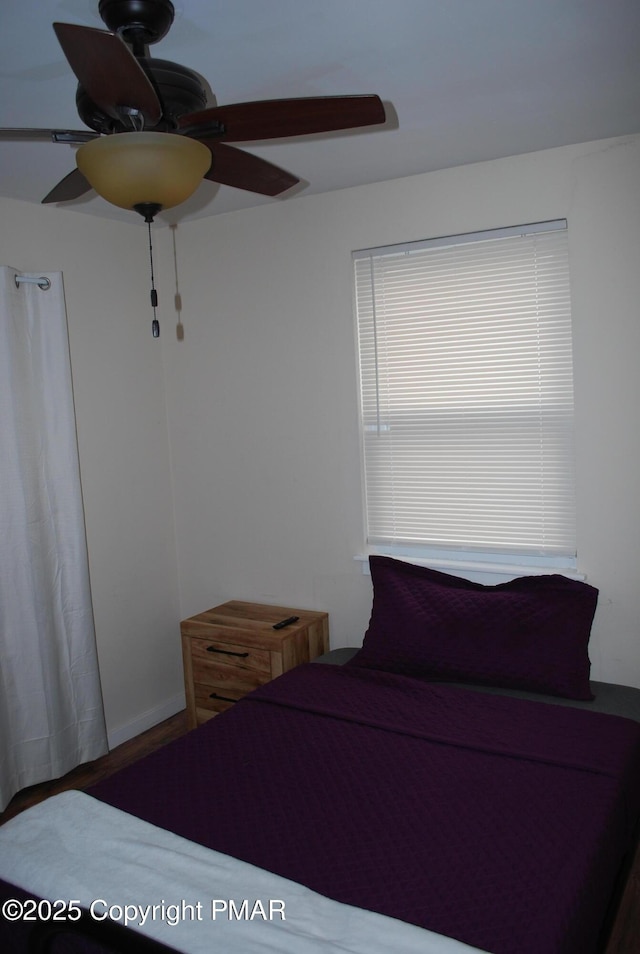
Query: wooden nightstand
x=233, y=648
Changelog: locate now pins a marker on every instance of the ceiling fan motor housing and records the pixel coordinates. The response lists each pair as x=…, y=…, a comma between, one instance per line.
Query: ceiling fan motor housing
x=179, y=89
x=141, y=23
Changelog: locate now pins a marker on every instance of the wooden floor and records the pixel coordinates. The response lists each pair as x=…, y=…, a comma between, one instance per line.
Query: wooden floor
x=625, y=935
x=92, y=772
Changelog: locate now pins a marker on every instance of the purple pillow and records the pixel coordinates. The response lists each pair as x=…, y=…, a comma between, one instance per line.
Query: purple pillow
x=531, y=633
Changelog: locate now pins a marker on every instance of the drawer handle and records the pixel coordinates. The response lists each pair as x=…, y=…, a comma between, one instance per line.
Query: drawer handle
x=214, y=695
x=226, y=652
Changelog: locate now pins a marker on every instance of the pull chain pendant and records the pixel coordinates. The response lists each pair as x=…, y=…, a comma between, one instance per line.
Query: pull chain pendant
x=155, y=324
x=148, y=210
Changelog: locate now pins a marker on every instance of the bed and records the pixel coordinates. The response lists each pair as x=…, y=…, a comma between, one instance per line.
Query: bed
x=458, y=784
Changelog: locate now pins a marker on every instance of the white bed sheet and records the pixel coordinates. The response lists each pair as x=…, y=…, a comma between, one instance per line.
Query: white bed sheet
x=75, y=848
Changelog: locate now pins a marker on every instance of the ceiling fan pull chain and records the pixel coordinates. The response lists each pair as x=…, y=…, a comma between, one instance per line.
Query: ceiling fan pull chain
x=155, y=325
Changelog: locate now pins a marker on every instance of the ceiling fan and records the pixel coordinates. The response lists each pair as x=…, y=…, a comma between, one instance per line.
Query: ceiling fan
x=123, y=91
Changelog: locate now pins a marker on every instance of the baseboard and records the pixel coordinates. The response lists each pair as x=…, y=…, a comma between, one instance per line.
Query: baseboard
x=146, y=721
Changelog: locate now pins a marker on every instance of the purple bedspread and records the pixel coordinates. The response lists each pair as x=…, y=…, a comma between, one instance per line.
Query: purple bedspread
x=498, y=821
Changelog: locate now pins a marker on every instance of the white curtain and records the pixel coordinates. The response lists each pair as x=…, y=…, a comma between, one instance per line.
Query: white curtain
x=51, y=715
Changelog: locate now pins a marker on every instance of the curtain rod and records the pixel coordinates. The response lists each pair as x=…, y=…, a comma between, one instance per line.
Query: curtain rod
x=41, y=282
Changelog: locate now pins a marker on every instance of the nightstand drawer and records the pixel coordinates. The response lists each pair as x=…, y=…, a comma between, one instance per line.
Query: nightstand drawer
x=212, y=699
x=212, y=674
x=212, y=652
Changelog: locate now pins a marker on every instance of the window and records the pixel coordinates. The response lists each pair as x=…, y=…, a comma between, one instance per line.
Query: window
x=467, y=395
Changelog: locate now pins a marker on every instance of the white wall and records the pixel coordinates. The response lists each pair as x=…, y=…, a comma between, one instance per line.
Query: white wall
x=262, y=397
x=124, y=459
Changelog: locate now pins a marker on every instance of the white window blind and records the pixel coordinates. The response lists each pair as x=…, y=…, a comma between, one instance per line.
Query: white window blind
x=467, y=392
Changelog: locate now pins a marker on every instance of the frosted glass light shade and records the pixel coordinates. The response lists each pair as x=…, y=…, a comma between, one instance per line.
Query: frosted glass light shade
x=129, y=169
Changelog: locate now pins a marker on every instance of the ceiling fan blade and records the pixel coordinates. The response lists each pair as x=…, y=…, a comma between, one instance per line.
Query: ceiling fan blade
x=108, y=71
x=240, y=169
x=280, y=118
x=71, y=187
x=47, y=135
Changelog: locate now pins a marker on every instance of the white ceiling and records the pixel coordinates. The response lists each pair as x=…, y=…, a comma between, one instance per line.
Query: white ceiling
x=463, y=81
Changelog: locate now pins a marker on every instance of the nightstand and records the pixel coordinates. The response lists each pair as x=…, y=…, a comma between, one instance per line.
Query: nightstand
x=233, y=648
